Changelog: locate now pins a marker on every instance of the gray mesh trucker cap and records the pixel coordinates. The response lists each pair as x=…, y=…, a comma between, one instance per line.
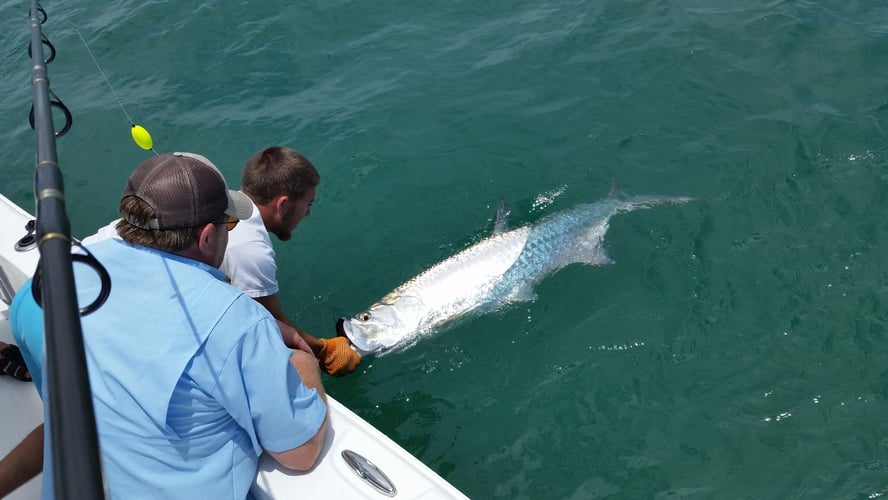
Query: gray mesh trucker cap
x=185, y=190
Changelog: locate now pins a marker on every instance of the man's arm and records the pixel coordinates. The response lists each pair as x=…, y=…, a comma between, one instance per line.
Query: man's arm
x=23, y=463
x=273, y=304
x=303, y=457
x=335, y=355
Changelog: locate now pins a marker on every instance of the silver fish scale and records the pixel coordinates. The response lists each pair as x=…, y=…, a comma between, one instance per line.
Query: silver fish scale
x=462, y=282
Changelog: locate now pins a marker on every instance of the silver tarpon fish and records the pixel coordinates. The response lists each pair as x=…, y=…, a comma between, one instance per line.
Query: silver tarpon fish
x=496, y=271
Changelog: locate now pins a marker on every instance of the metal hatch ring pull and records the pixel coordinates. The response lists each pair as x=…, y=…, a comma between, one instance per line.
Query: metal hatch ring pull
x=370, y=473
x=29, y=241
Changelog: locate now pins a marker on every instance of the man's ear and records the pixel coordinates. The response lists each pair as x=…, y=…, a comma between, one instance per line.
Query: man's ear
x=281, y=203
x=206, y=239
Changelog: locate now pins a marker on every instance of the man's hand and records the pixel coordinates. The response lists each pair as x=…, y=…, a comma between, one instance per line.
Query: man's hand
x=299, y=343
x=292, y=338
x=337, y=356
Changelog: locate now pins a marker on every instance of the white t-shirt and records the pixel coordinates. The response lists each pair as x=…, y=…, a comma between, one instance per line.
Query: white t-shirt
x=249, y=259
x=104, y=232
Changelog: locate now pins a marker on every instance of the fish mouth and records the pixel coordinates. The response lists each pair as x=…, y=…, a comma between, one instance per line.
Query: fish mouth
x=340, y=329
x=344, y=328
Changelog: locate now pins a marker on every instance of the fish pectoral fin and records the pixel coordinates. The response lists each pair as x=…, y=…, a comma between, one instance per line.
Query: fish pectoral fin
x=522, y=293
x=594, y=256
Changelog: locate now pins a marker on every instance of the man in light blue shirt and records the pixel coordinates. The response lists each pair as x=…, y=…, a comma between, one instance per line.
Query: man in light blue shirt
x=190, y=378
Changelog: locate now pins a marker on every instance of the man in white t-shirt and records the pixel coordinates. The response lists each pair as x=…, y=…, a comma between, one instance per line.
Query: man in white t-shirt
x=282, y=185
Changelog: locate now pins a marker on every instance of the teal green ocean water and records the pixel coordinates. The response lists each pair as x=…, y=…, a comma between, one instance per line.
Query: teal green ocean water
x=738, y=348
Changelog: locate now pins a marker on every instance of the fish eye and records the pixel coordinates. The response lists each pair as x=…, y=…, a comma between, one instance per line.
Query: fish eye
x=365, y=316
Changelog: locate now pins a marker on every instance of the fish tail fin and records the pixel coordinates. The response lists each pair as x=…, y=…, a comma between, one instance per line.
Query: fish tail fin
x=639, y=202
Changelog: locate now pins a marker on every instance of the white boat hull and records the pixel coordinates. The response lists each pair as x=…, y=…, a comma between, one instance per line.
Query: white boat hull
x=22, y=408
x=331, y=478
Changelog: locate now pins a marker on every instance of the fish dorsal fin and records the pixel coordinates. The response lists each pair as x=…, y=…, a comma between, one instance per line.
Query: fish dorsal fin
x=501, y=224
x=615, y=192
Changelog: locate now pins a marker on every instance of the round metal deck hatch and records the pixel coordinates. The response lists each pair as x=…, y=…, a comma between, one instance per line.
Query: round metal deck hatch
x=370, y=473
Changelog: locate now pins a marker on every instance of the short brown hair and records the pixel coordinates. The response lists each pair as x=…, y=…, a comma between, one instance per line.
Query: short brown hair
x=139, y=212
x=278, y=171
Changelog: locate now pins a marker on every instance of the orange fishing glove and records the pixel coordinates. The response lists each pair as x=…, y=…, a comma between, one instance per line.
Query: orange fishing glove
x=337, y=357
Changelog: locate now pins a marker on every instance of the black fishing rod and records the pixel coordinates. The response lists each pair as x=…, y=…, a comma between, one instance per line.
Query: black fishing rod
x=77, y=471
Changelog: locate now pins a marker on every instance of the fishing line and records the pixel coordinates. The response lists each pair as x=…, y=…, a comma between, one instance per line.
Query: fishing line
x=140, y=135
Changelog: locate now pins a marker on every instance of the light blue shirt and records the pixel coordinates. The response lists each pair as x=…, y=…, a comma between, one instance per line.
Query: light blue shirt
x=25, y=316
x=190, y=378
